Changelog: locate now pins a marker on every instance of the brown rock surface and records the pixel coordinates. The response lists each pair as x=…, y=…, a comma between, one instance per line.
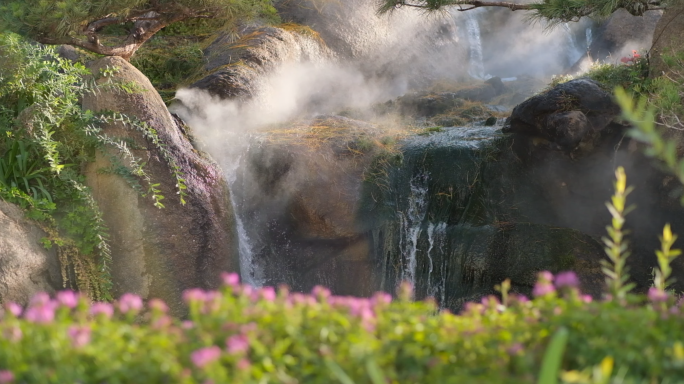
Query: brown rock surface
x=161, y=252
x=26, y=267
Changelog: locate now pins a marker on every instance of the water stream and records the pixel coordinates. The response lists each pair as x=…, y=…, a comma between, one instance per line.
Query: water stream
x=476, y=68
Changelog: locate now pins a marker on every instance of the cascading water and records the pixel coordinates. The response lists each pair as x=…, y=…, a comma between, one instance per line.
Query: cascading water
x=590, y=37
x=437, y=239
x=250, y=271
x=573, y=53
x=411, y=223
x=476, y=69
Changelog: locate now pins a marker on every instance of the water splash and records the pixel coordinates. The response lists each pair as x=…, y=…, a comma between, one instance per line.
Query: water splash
x=411, y=223
x=250, y=272
x=476, y=69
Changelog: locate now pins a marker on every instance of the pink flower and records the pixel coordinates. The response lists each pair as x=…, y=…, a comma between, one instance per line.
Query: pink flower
x=162, y=322
x=656, y=295
x=405, y=291
x=194, y=295
x=587, y=299
x=545, y=276
x=41, y=314
x=567, y=279
x=67, y=299
x=130, y=303
x=268, y=293
x=39, y=299
x=104, y=309
x=6, y=377
x=14, y=308
x=80, y=335
x=542, y=289
x=322, y=293
x=204, y=356
x=381, y=299
x=237, y=344
x=158, y=305
x=231, y=279
x=187, y=324
x=243, y=364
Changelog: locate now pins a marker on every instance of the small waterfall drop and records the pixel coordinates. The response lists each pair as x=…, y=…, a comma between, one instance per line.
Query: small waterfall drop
x=590, y=37
x=573, y=52
x=436, y=239
x=411, y=224
x=476, y=67
x=250, y=272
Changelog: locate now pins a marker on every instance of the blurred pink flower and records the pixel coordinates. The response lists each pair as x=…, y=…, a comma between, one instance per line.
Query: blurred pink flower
x=542, y=289
x=243, y=364
x=80, y=335
x=268, y=293
x=158, y=305
x=237, y=344
x=41, y=313
x=381, y=298
x=39, y=299
x=321, y=292
x=104, y=309
x=187, y=324
x=656, y=295
x=194, y=295
x=545, y=276
x=587, y=298
x=204, y=356
x=567, y=279
x=162, y=322
x=68, y=299
x=130, y=303
x=231, y=279
x=515, y=349
x=6, y=377
x=14, y=308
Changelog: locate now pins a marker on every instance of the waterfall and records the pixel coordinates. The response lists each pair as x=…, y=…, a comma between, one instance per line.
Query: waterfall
x=476, y=69
x=590, y=37
x=411, y=223
x=573, y=53
x=436, y=239
x=250, y=272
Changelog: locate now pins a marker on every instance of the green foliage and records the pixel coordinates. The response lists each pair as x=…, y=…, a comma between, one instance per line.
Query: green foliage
x=245, y=335
x=616, y=270
x=169, y=62
x=20, y=168
x=665, y=257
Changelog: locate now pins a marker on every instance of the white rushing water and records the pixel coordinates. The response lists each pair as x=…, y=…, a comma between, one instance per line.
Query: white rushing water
x=250, y=272
x=437, y=239
x=590, y=37
x=574, y=52
x=476, y=64
x=411, y=223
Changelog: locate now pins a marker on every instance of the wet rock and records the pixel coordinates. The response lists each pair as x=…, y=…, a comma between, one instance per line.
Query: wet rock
x=160, y=252
x=237, y=69
x=567, y=115
x=300, y=187
x=26, y=267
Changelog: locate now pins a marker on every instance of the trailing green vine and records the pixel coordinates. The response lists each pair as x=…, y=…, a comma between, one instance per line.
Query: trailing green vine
x=46, y=138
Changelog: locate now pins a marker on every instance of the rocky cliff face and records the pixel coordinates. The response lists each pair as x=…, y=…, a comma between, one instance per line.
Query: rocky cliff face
x=26, y=267
x=161, y=252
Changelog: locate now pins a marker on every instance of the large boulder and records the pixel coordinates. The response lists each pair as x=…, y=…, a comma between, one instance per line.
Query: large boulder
x=668, y=38
x=238, y=69
x=26, y=267
x=622, y=33
x=160, y=252
x=567, y=115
